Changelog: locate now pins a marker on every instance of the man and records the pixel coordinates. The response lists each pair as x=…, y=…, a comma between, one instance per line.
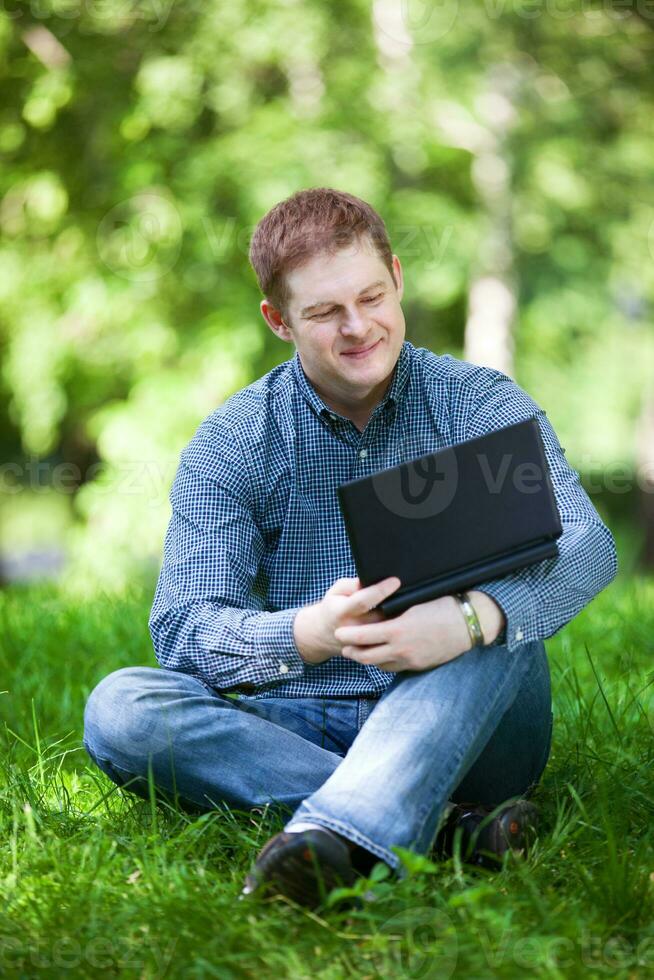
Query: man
x=281, y=683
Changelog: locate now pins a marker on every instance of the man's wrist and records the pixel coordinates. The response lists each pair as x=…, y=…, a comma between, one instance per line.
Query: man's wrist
x=489, y=613
x=304, y=634
x=470, y=618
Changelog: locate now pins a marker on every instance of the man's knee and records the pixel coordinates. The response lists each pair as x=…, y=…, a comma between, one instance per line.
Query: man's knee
x=129, y=714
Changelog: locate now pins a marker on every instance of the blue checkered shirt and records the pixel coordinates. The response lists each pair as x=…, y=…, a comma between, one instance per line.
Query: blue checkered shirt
x=256, y=530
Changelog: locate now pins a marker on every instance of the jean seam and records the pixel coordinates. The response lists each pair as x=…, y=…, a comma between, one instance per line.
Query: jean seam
x=364, y=710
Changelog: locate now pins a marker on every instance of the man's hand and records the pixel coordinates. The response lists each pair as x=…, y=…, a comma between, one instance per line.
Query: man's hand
x=345, y=603
x=424, y=636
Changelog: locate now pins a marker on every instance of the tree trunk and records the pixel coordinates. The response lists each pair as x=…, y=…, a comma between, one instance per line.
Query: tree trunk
x=645, y=478
x=492, y=295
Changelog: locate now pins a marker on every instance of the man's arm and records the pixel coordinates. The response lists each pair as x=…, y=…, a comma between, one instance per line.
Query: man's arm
x=540, y=599
x=530, y=604
x=200, y=621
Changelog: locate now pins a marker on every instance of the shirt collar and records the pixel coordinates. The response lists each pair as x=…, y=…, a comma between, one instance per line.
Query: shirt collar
x=390, y=399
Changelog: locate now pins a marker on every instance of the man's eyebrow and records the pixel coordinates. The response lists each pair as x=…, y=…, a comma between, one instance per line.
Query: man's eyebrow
x=331, y=302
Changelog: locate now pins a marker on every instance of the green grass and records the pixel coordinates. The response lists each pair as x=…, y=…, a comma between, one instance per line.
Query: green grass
x=94, y=881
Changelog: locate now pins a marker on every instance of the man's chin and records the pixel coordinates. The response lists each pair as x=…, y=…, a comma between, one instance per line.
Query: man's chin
x=365, y=380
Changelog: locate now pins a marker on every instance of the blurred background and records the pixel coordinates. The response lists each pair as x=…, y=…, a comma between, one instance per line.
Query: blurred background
x=507, y=145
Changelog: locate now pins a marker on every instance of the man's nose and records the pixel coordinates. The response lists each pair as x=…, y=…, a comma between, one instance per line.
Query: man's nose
x=354, y=322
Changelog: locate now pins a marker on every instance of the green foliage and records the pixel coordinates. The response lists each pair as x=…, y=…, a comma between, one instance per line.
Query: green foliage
x=140, y=144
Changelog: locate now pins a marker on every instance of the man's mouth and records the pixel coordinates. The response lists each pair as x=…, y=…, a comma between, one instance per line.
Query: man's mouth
x=361, y=352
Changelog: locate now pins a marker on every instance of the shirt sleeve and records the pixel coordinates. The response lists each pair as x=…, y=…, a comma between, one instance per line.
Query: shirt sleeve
x=540, y=599
x=204, y=620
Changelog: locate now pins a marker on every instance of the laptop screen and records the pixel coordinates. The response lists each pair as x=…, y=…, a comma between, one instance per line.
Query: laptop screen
x=453, y=508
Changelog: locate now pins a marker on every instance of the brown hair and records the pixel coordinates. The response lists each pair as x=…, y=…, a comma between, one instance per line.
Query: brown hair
x=311, y=221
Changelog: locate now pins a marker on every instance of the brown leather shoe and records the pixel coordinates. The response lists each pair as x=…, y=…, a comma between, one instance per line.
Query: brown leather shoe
x=304, y=866
x=485, y=839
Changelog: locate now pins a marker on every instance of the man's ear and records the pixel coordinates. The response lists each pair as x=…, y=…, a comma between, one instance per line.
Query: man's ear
x=398, y=276
x=275, y=321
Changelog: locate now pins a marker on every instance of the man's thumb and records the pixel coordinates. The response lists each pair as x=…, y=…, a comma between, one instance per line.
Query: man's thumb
x=345, y=586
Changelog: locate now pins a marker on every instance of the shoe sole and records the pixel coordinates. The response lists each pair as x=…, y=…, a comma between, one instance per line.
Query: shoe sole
x=305, y=870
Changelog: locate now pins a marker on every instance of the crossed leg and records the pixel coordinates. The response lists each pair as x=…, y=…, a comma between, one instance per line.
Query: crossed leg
x=477, y=729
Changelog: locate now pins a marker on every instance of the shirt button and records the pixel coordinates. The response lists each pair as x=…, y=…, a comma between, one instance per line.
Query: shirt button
x=283, y=668
x=519, y=635
x=363, y=453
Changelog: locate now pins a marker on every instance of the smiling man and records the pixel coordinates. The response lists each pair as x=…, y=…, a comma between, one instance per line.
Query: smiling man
x=282, y=684
x=349, y=342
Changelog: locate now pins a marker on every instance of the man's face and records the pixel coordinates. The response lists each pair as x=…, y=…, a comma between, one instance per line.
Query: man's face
x=340, y=304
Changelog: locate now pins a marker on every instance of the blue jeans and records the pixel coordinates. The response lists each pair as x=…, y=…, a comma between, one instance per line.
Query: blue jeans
x=379, y=771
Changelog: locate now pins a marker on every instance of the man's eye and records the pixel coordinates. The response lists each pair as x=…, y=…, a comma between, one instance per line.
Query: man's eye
x=368, y=299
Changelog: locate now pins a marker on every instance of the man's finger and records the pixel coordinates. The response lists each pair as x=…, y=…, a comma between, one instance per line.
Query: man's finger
x=366, y=599
x=365, y=635
x=375, y=655
x=374, y=616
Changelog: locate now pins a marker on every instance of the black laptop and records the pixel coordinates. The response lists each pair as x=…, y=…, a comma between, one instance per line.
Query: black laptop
x=455, y=518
